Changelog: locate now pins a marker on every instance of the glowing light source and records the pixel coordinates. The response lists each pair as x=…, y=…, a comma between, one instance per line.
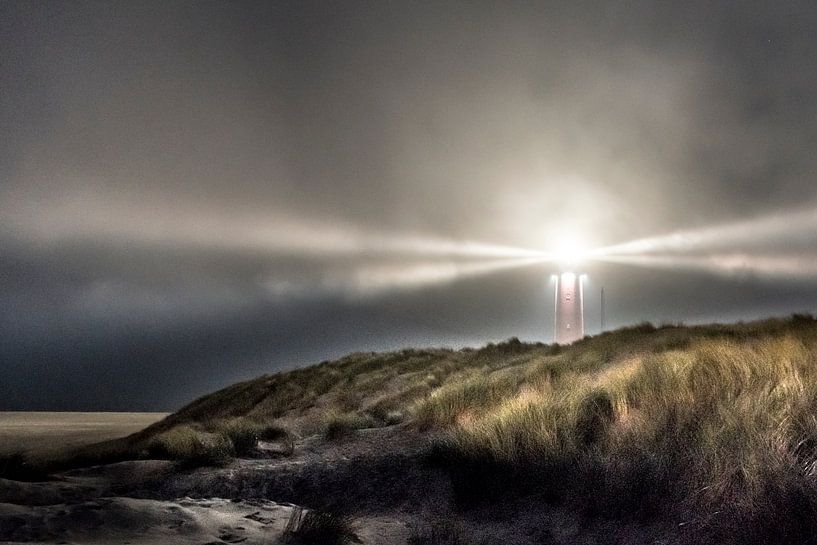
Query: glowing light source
x=569, y=252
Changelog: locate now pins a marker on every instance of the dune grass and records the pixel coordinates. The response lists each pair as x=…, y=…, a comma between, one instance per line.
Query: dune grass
x=192, y=448
x=718, y=431
x=713, y=427
x=318, y=528
x=339, y=426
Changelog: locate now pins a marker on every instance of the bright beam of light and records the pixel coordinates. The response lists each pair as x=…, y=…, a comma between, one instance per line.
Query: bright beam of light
x=270, y=234
x=411, y=261
x=381, y=262
x=801, y=267
x=376, y=279
x=751, y=232
x=751, y=247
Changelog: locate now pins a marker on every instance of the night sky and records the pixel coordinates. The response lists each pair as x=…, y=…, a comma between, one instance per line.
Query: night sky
x=193, y=194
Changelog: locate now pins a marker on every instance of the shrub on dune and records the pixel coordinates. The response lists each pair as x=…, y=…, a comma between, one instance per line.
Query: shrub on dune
x=341, y=425
x=192, y=448
x=318, y=528
x=242, y=434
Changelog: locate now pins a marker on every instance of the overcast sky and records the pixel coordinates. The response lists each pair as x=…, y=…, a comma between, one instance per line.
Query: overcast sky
x=197, y=193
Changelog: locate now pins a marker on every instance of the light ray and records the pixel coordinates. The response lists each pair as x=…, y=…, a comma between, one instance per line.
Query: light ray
x=727, y=264
x=395, y=261
x=272, y=233
x=744, y=233
x=745, y=248
x=376, y=279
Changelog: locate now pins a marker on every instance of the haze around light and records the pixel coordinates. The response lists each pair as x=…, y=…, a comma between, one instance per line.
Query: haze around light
x=376, y=262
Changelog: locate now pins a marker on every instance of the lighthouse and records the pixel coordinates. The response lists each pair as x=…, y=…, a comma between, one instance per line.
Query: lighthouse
x=569, y=323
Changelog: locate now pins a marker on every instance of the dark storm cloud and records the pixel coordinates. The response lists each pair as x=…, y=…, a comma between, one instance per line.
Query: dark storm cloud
x=194, y=193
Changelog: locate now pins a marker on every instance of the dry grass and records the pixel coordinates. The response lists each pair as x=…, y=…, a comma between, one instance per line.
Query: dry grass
x=721, y=433
x=318, y=528
x=191, y=447
x=712, y=426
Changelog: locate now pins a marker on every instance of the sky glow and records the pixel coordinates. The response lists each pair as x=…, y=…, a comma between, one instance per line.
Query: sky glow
x=195, y=194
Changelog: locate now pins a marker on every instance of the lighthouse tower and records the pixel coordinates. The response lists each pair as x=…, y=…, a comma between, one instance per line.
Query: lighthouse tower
x=569, y=308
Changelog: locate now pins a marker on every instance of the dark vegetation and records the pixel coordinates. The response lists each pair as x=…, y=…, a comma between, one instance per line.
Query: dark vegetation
x=318, y=528
x=440, y=534
x=18, y=467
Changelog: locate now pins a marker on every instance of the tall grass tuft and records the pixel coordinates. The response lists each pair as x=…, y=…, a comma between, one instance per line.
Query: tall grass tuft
x=192, y=448
x=339, y=426
x=318, y=528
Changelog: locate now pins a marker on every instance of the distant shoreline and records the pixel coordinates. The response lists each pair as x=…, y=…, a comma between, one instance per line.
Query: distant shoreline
x=83, y=412
x=41, y=432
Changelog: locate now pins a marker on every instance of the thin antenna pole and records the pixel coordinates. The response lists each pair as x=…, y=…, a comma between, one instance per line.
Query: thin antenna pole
x=556, y=309
x=580, y=302
x=602, y=309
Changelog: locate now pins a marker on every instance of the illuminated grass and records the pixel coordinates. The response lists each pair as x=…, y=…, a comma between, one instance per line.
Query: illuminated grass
x=192, y=447
x=713, y=427
x=722, y=435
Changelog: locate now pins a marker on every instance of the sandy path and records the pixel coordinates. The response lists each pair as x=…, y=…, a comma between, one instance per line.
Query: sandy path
x=137, y=502
x=147, y=522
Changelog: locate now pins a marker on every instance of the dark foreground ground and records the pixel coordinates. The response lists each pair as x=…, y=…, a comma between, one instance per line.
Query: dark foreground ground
x=646, y=435
x=380, y=481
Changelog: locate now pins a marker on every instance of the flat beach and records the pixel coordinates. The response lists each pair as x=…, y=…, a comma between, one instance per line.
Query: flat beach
x=39, y=432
